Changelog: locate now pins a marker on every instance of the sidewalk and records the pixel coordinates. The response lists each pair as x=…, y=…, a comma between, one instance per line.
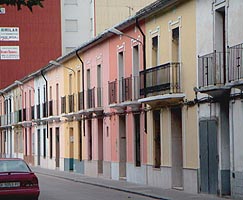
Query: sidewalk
x=143, y=190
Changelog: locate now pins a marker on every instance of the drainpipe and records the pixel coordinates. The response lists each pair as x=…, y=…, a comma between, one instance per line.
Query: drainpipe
x=46, y=100
x=82, y=63
x=144, y=68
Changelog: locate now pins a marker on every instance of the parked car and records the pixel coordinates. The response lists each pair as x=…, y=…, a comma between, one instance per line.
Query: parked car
x=17, y=181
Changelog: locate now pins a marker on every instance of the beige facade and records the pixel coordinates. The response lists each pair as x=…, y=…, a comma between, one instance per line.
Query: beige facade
x=110, y=12
x=172, y=123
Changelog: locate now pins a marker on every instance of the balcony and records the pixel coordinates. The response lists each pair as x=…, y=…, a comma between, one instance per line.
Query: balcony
x=91, y=98
x=80, y=101
x=213, y=74
x=24, y=114
x=38, y=110
x=127, y=90
x=44, y=109
x=236, y=66
x=163, y=85
x=32, y=112
x=71, y=103
x=112, y=92
x=50, y=105
x=63, y=104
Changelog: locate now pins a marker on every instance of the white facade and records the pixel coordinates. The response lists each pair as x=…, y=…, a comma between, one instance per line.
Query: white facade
x=218, y=31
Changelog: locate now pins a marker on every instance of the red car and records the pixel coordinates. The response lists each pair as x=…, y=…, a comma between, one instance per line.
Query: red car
x=17, y=181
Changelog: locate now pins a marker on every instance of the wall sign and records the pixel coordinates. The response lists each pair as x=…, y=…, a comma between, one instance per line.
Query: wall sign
x=2, y=11
x=9, y=34
x=9, y=53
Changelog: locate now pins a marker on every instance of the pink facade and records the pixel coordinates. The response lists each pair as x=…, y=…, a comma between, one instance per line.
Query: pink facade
x=127, y=125
x=98, y=135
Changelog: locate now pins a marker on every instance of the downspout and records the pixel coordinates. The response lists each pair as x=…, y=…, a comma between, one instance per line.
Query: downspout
x=144, y=68
x=46, y=101
x=82, y=63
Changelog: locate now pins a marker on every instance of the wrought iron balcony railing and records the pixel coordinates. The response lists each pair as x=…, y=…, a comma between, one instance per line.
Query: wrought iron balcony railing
x=24, y=114
x=236, y=62
x=63, y=104
x=127, y=89
x=80, y=101
x=38, y=111
x=32, y=112
x=161, y=80
x=50, y=103
x=91, y=98
x=45, y=109
x=112, y=92
x=212, y=69
x=71, y=103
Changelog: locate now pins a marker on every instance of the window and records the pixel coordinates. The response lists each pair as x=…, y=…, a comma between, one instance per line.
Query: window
x=155, y=51
x=57, y=99
x=71, y=25
x=175, y=44
x=88, y=79
x=78, y=81
x=50, y=92
x=70, y=84
x=99, y=75
x=135, y=72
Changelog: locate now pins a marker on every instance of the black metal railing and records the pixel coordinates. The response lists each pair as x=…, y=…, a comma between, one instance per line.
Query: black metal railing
x=80, y=101
x=32, y=112
x=212, y=69
x=91, y=98
x=71, y=103
x=38, y=110
x=50, y=104
x=20, y=115
x=163, y=79
x=236, y=62
x=112, y=91
x=125, y=89
x=63, y=104
x=44, y=109
x=24, y=114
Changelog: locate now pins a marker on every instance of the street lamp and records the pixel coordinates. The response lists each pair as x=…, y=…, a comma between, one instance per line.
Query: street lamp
x=117, y=32
x=53, y=62
x=21, y=83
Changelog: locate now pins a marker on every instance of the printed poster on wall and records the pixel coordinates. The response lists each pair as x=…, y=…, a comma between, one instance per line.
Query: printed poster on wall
x=9, y=34
x=9, y=52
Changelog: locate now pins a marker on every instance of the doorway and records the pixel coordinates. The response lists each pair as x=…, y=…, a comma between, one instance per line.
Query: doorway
x=38, y=146
x=71, y=149
x=100, y=146
x=122, y=147
x=177, y=148
x=57, y=148
x=208, y=156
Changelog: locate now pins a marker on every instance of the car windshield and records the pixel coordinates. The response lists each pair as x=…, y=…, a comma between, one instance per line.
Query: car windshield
x=13, y=166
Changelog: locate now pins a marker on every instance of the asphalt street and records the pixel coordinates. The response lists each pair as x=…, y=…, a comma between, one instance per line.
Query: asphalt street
x=53, y=188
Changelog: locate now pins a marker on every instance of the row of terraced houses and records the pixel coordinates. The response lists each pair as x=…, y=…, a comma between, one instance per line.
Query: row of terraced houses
x=155, y=99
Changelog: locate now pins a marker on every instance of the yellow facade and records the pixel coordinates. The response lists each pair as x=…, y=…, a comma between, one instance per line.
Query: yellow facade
x=110, y=12
x=72, y=125
x=161, y=26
